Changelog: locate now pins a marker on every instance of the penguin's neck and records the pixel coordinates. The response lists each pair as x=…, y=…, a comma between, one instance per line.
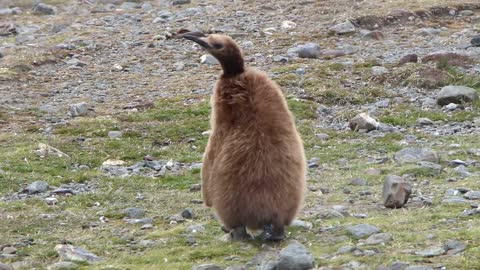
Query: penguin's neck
x=232, y=65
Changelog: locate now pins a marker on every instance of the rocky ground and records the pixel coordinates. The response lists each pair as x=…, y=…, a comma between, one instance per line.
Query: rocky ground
x=104, y=118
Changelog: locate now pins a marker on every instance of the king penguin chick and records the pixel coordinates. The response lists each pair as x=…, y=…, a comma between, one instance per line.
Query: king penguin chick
x=254, y=168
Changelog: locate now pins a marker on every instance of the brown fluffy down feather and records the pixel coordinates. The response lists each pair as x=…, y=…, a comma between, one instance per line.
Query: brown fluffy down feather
x=254, y=166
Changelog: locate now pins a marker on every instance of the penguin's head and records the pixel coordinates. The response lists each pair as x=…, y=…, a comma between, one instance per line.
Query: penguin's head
x=221, y=47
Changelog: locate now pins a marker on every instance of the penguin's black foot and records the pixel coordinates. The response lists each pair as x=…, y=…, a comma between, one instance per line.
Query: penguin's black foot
x=239, y=234
x=273, y=233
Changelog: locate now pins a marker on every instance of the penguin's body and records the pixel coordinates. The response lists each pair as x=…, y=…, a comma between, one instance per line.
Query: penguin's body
x=254, y=167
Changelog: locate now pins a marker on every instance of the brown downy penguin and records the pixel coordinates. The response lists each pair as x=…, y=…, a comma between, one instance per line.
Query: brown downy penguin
x=254, y=167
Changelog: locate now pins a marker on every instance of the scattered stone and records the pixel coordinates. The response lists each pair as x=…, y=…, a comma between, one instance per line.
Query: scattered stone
x=462, y=171
x=456, y=162
x=362, y=230
x=430, y=167
x=134, y=212
x=10, y=11
x=322, y=136
x=146, y=243
x=470, y=212
x=475, y=42
x=424, y=122
x=427, y=31
x=288, y=25
x=309, y=50
x=207, y=59
x=66, y=46
x=281, y=59
x=196, y=228
x=358, y=182
x=301, y=224
x=379, y=70
x=418, y=267
x=181, y=2
x=44, y=9
x=188, y=213
x=451, y=107
x=454, y=247
x=129, y=5
x=206, y=266
x=379, y=238
x=342, y=28
x=147, y=226
x=147, y=6
x=37, y=187
x=9, y=250
x=63, y=266
x=346, y=249
x=47, y=150
x=114, y=134
x=8, y=29
x=472, y=195
x=456, y=94
x=431, y=252
x=330, y=54
x=466, y=12
x=375, y=35
x=5, y=267
x=455, y=200
x=451, y=58
x=71, y=253
x=414, y=155
x=363, y=122
x=384, y=103
x=195, y=187
x=78, y=109
x=139, y=221
x=191, y=239
x=51, y=201
x=295, y=257
x=409, y=58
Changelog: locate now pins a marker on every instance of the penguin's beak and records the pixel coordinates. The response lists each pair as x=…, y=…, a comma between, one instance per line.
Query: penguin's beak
x=198, y=38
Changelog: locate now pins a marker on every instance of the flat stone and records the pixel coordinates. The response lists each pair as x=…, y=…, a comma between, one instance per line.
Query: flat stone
x=72, y=253
x=358, y=182
x=134, y=212
x=44, y=9
x=182, y=2
x=78, y=109
x=37, y=187
x=454, y=247
x=455, y=200
x=379, y=238
x=379, y=71
x=207, y=267
x=301, y=224
x=342, y=28
x=5, y=267
x=115, y=134
x=472, y=195
x=456, y=94
x=309, y=50
x=195, y=228
x=362, y=230
x=63, y=266
x=295, y=257
x=424, y=122
x=414, y=155
x=363, y=122
x=431, y=252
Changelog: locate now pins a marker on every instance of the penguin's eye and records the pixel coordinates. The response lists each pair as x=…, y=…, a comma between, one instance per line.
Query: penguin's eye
x=217, y=46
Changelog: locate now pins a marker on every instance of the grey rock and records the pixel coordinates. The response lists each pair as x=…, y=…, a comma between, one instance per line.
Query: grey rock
x=63, y=266
x=114, y=134
x=472, y=195
x=281, y=59
x=462, y=171
x=196, y=228
x=397, y=266
x=430, y=167
x=147, y=6
x=76, y=62
x=44, y=9
x=72, y=253
x=146, y=243
x=409, y=58
x=37, y=187
x=362, y=230
x=379, y=238
x=424, y=122
x=5, y=267
x=322, y=136
x=456, y=162
x=375, y=35
x=139, y=221
x=345, y=249
x=363, y=122
x=466, y=12
x=191, y=240
x=418, y=267
x=379, y=70
x=66, y=46
x=207, y=267
x=195, y=187
x=456, y=94
x=455, y=200
x=10, y=11
x=295, y=257
x=309, y=50
x=300, y=71
x=78, y=109
x=451, y=107
x=358, y=182
x=414, y=155
x=427, y=31
x=342, y=28
x=159, y=20
x=431, y=252
x=181, y=2
x=134, y=212
x=301, y=224
x=129, y=5
x=454, y=247
x=188, y=213
x=9, y=250
x=207, y=59
x=470, y=212
x=384, y=103
x=236, y=267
